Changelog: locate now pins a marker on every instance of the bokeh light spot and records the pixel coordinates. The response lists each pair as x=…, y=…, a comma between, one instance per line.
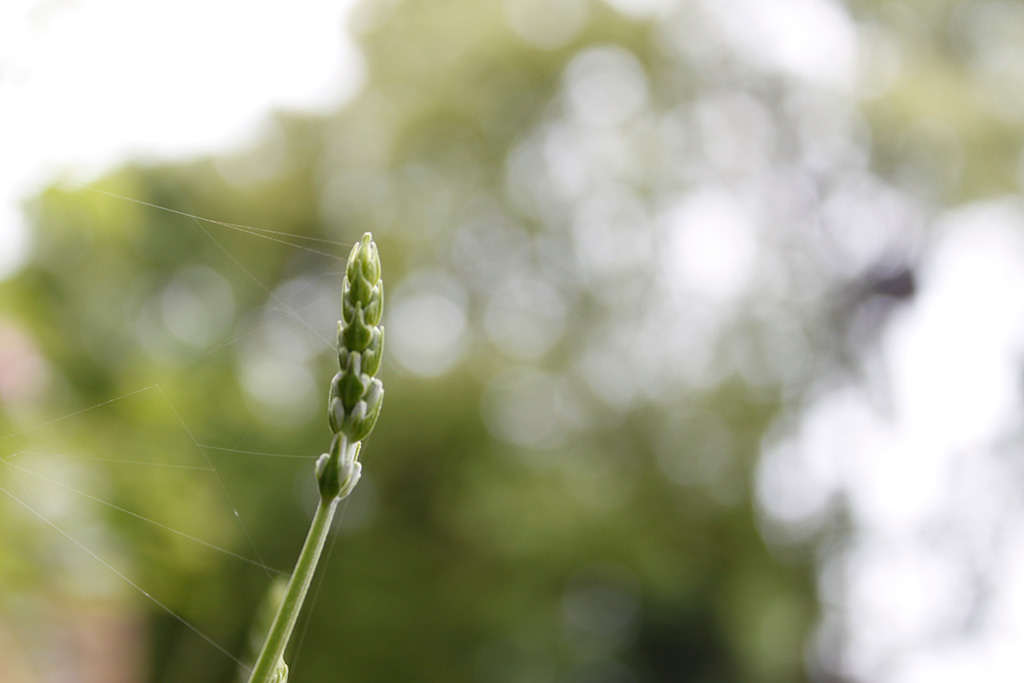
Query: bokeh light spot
x=426, y=330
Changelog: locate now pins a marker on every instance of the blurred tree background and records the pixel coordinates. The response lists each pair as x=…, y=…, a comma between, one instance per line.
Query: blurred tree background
x=621, y=243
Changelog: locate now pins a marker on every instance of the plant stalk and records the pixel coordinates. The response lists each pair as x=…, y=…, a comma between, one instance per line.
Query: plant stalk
x=353, y=405
x=295, y=594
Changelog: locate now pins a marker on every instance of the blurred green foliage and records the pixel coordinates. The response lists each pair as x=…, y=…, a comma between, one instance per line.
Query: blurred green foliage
x=562, y=503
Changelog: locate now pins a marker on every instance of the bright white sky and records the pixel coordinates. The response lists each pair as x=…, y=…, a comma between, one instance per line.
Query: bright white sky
x=85, y=84
x=929, y=584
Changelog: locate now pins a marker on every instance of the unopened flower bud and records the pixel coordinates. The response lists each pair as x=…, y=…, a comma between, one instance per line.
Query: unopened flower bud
x=356, y=395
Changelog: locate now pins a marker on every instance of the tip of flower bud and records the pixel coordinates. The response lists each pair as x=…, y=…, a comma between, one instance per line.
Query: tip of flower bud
x=364, y=261
x=370, y=259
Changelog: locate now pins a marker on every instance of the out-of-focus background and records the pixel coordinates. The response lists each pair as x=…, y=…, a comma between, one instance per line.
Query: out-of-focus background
x=705, y=323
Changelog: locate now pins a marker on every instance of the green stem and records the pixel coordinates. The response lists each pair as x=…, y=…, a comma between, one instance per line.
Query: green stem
x=295, y=594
